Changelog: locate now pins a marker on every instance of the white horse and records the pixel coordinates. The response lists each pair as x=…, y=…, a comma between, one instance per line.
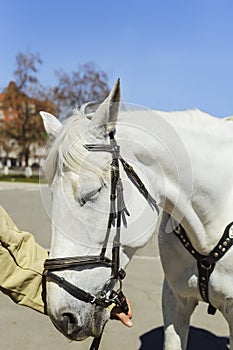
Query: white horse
x=184, y=159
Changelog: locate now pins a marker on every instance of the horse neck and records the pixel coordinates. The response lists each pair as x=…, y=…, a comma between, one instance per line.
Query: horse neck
x=187, y=166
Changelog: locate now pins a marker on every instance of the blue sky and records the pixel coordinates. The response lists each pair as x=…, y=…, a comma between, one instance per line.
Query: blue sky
x=169, y=54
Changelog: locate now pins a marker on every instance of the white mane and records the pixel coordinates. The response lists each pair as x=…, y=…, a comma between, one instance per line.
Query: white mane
x=194, y=118
x=200, y=126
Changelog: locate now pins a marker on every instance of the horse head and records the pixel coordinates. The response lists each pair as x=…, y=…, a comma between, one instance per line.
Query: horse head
x=86, y=176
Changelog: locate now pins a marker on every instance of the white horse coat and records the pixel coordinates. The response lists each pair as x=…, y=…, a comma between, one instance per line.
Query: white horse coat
x=184, y=158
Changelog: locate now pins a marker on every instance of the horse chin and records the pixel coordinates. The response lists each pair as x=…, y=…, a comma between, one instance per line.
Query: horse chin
x=101, y=317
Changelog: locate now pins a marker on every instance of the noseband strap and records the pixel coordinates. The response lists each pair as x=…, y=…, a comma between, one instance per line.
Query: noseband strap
x=76, y=261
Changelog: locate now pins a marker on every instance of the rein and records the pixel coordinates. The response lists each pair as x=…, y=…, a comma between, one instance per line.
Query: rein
x=117, y=214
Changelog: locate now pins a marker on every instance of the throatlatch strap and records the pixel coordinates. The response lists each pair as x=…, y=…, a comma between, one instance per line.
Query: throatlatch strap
x=133, y=176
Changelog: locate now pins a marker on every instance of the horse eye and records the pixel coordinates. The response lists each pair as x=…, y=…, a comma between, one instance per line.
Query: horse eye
x=84, y=197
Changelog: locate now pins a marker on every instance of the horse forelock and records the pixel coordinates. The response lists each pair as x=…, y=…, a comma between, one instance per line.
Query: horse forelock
x=67, y=149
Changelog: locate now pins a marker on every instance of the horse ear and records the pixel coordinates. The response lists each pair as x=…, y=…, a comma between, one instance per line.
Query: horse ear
x=51, y=124
x=103, y=122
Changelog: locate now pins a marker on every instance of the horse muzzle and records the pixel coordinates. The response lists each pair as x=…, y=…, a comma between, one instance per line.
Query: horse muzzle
x=73, y=327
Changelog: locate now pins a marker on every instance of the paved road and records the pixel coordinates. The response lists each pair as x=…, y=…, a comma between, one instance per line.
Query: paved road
x=24, y=329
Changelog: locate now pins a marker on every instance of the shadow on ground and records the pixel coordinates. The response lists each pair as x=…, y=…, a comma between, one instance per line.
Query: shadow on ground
x=198, y=339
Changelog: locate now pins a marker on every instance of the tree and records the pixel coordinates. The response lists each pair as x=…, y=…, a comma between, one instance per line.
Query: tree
x=26, y=70
x=22, y=122
x=5, y=145
x=24, y=98
x=87, y=83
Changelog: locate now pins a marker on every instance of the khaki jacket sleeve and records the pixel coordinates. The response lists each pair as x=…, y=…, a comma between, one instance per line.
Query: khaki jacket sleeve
x=21, y=264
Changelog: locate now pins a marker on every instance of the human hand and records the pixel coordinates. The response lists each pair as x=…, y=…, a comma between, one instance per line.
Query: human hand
x=118, y=314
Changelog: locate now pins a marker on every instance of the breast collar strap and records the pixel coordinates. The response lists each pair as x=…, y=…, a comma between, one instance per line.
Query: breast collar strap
x=206, y=263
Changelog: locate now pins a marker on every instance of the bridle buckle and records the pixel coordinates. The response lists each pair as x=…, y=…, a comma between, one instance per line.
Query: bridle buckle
x=93, y=300
x=121, y=274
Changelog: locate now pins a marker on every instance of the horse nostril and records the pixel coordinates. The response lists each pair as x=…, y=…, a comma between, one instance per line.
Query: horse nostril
x=69, y=323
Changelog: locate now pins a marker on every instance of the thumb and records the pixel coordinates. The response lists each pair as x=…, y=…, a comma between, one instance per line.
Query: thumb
x=125, y=319
x=117, y=314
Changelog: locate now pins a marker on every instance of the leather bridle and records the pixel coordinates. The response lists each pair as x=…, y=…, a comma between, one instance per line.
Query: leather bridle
x=116, y=215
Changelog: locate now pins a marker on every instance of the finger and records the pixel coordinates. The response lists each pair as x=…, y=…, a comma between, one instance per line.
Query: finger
x=125, y=319
x=116, y=310
x=116, y=313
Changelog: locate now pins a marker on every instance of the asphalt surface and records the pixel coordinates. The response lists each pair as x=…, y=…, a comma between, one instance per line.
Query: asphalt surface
x=24, y=329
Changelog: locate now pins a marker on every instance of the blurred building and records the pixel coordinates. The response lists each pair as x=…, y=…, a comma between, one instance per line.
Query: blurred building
x=11, y=151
